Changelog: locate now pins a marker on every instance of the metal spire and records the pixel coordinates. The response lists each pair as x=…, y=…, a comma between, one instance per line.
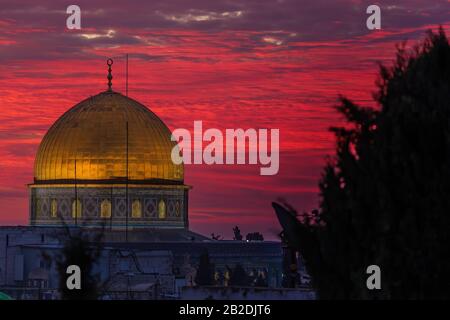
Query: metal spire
x=109, y=62
x=126, y=73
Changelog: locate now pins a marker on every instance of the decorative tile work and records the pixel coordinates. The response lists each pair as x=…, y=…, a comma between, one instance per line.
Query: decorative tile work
x=171, y=209
x=64, y=207
x=120, y=208
x=91, y=207
x=91, y=199
x=45, y=207
x=177, y=209
x=150, y=208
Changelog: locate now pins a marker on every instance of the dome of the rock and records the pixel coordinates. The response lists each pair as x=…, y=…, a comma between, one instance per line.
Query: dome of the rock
x=107, y=160
x=93, y=136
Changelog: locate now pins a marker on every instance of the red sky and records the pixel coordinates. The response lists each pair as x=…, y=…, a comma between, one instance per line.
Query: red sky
x=232, y=64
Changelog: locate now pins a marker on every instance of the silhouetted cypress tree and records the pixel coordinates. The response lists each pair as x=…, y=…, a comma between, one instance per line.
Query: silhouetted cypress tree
x=239, y=277
x=385, y=196
x=205, y=271
x=261, y=281
x=83, y=251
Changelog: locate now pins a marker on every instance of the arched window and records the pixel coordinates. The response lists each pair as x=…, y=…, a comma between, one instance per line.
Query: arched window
x=161, y=209
x=105, y=209
x=226, y=278
x=76, y=209
x=54, y=208
x=136, y=209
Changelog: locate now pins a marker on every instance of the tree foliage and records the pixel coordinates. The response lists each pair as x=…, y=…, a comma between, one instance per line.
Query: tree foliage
x=254, y=236
x=239, y=277
x=83, y=251
x=385, y=195
x=237, y=234
x=205, y=271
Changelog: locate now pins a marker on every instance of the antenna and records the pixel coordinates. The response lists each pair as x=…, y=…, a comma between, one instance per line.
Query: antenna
x=126, y=221
x=112, y=209
x=76, y=194
x=126, y=76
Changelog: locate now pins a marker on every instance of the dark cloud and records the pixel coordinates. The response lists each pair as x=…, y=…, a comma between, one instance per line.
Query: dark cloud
x=246, y=63
x=22, y=149
x=290, y=15
x=40, y=26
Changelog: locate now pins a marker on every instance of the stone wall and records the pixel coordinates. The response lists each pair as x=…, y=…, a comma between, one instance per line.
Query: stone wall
x=246, y=293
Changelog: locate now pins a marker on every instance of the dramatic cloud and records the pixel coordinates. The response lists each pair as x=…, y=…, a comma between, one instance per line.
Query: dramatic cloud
x=232, y=64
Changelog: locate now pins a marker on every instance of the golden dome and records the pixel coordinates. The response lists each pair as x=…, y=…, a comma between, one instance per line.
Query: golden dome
x=92, y=134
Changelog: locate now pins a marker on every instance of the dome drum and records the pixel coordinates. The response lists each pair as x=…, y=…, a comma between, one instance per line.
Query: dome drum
x=96, y=205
